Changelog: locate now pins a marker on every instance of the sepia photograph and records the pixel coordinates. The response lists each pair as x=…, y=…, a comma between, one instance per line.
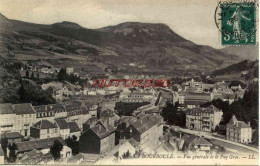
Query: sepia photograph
x=129, y=82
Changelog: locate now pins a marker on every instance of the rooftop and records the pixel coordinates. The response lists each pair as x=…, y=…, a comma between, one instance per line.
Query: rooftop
x=210, y=109
x=62, y=124
x=55, y=107
x=40, y=108
x=25, y=108
x=73, y=127
x=11, y=135
x=44, y=124
x=100, y=131
x=146, y=122
x=37, y=144
x=236, y=123
x=6, y=109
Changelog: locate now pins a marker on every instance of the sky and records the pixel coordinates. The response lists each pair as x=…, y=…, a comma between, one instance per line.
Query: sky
x=192, y=19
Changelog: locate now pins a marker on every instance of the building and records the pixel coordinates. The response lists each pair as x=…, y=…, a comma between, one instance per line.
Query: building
x=91, y=122
x=99, y=139
x=238, y=131
x=138, y=97
x=63, y=127
x=122, y=124
x=84, y=159
x=44, y=129
x=7, y=118
x=42, y=113
x=236, y=87
x=194, y=99
x=42, y=145
x=12, y=136
x=230, y=98
x=92, y=108
x=25, y=118
x=58, y=109
x=205, y=119
x=109, y=115
x=75, y=114
x=147, y=131
x=181, y=97
x=74, y=129
x=69, y=70
x=195, y=143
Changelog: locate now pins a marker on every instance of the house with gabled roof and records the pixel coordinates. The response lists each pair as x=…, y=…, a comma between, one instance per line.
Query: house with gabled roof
x=147, y=130
x=99, y=139
x=238, y=131
x=44, y=129
x=12, y=136
x=195, y=143
x=74, y=129
x=63, y=127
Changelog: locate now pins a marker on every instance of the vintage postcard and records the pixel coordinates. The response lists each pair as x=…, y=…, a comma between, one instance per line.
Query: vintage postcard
x=129, y=82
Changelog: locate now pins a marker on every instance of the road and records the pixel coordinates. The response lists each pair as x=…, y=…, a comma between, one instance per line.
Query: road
x=210, y=136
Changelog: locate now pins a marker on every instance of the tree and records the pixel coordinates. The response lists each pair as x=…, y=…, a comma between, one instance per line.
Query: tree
x=27, y=73
x=73, y=144
x=4, y=144
x=25, y=66
x=172, y=116
x=74, y=138
x=62, y=75
x=55, y=149
x=126, y=109
x=12, y=152
x=126, y=155
x=32, y=75
x=30, y=93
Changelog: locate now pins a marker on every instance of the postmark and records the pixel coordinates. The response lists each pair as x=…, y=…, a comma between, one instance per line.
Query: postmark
x=236, y=22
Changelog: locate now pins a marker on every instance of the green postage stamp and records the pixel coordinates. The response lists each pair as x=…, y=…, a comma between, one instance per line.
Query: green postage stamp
x=238, y=23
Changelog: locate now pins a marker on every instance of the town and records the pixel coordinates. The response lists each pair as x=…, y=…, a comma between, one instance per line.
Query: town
x=94, y=82
x=73, y=122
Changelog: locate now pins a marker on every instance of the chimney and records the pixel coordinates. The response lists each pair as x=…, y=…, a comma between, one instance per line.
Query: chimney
x=99, y=127
x=249, y=124
x=237, y=124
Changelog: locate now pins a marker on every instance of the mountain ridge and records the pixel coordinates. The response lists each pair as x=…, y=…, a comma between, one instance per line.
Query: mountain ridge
x=154, y=46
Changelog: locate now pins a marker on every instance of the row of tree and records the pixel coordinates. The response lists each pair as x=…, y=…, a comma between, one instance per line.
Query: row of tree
x=30, y=93
x=172, y=116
